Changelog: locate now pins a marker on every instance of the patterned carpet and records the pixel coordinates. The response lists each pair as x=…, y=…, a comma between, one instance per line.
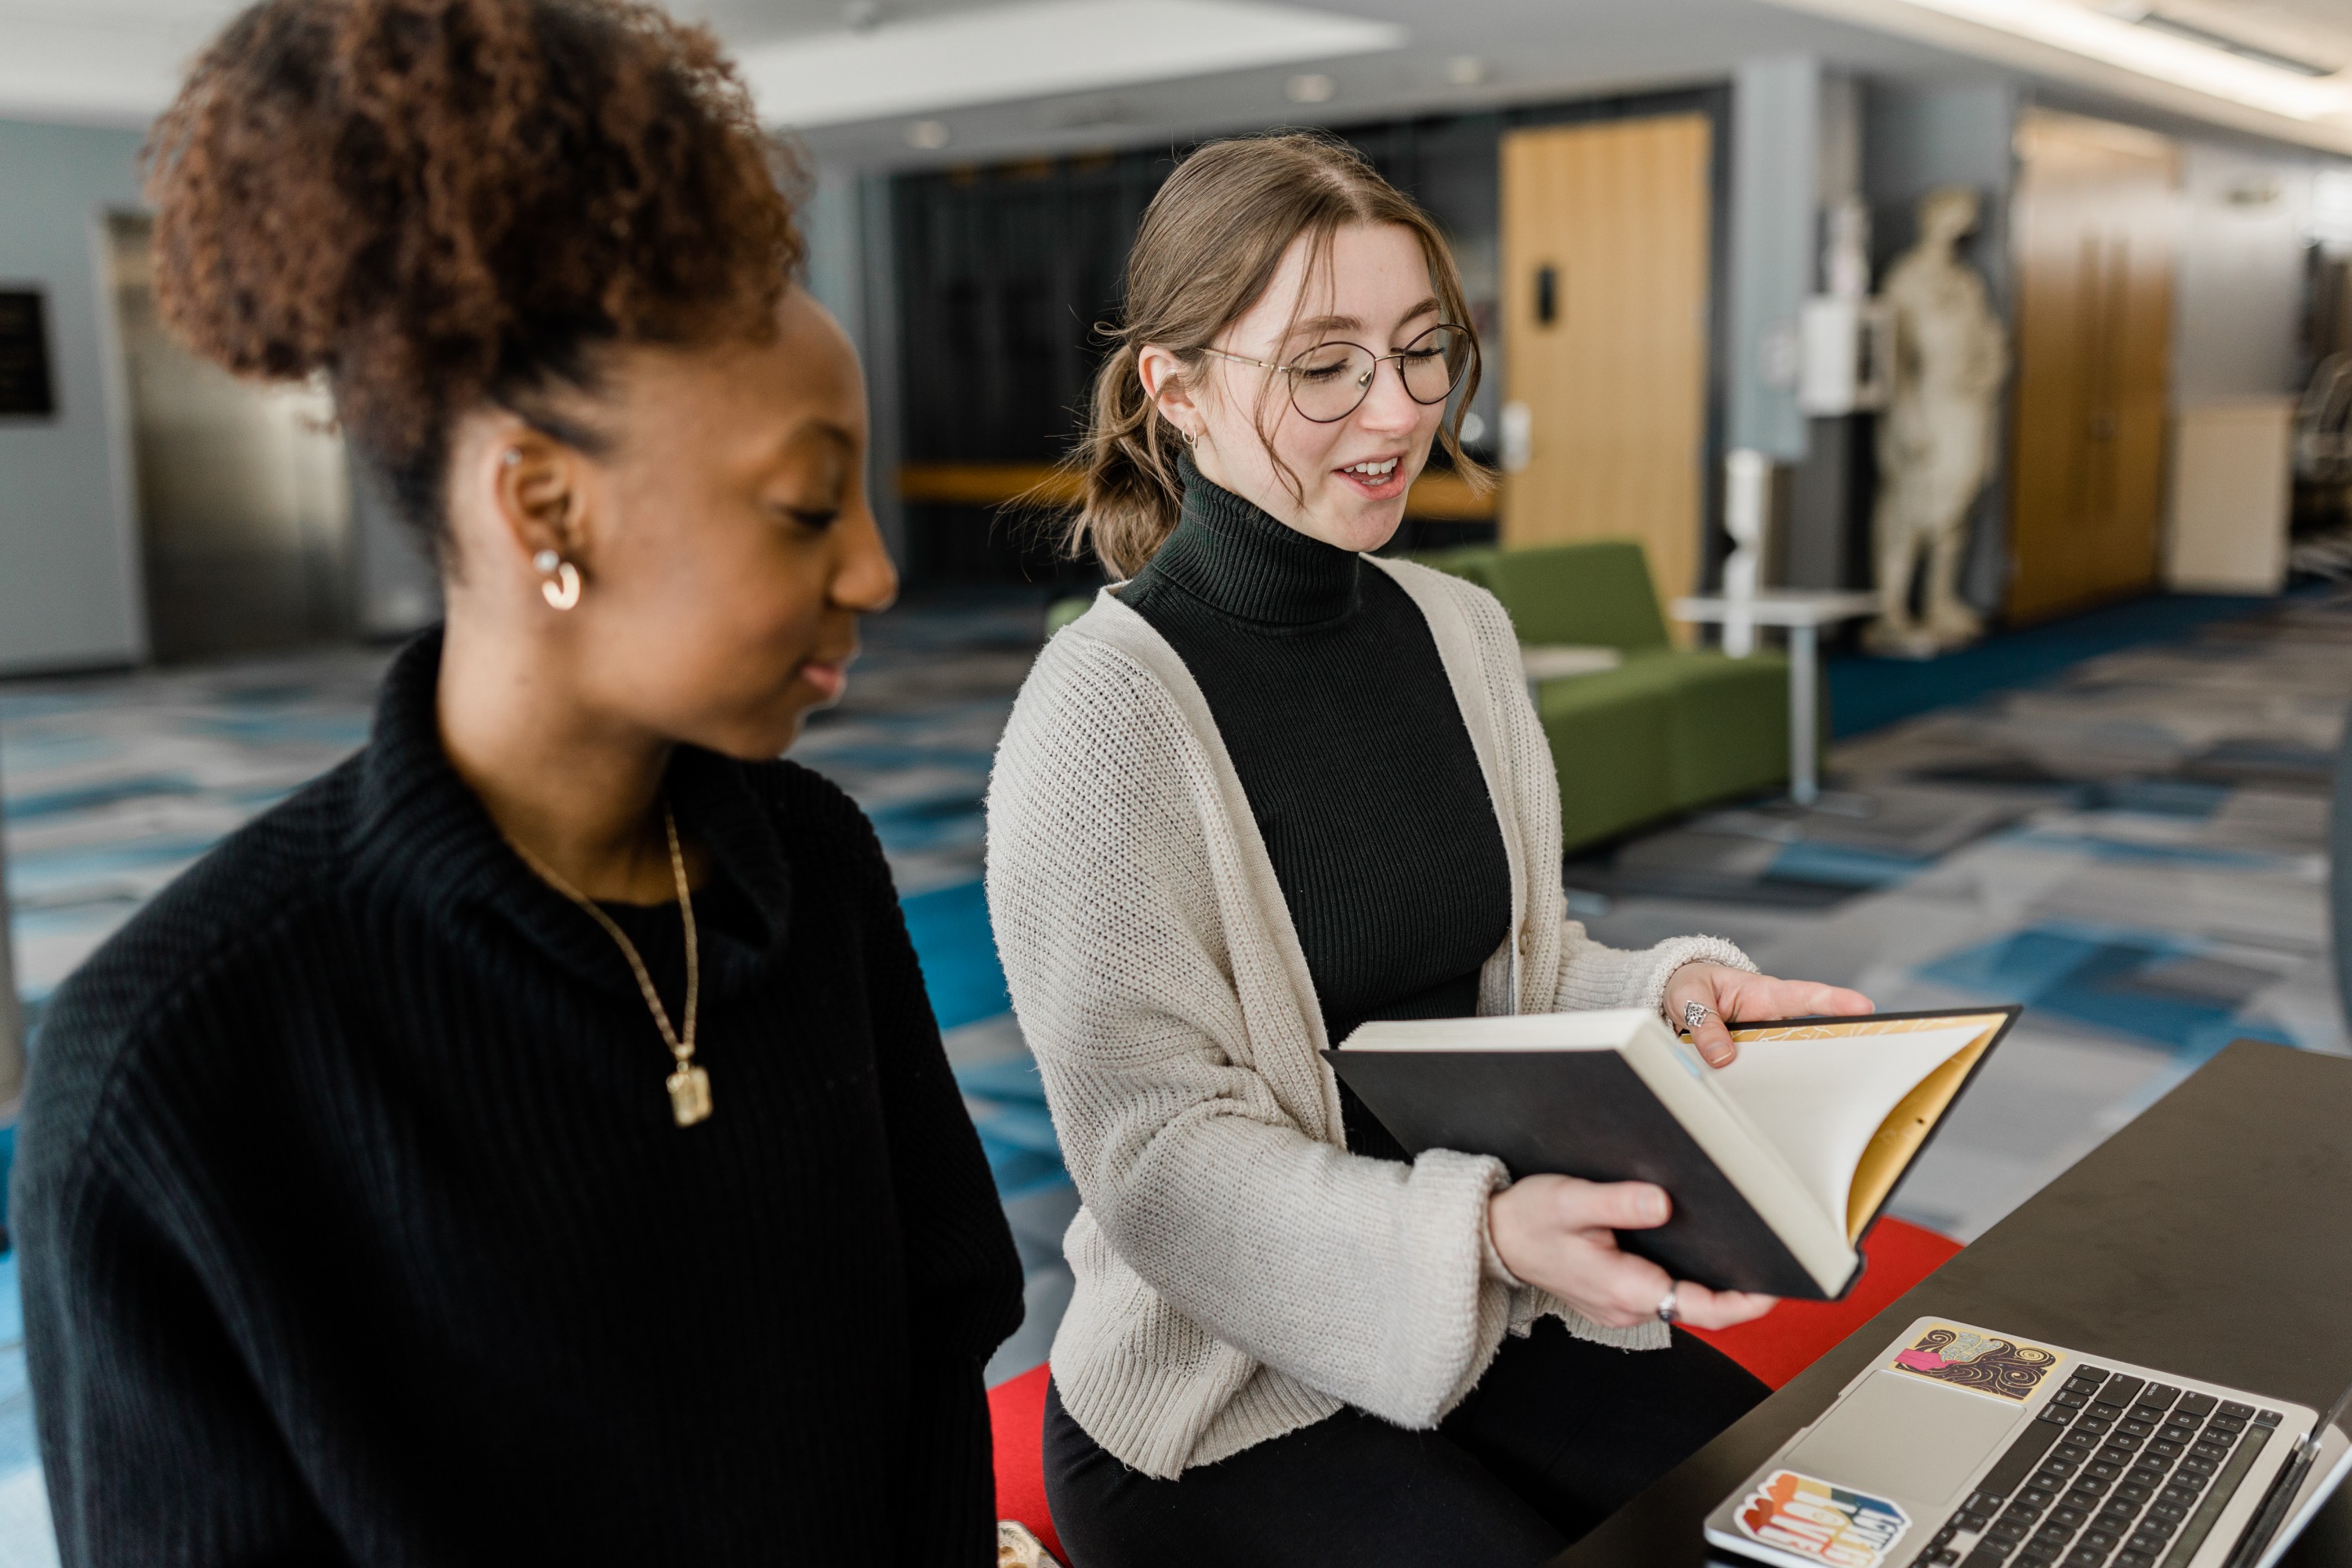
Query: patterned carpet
x=2133, y=847
x=2136, y=850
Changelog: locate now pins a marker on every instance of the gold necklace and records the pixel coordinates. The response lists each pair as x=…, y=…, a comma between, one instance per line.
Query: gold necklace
x=689, y=1086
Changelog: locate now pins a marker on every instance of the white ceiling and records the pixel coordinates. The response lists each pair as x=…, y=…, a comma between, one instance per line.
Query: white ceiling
x=854, y=76
x=2110, y=47
x=1040, y=48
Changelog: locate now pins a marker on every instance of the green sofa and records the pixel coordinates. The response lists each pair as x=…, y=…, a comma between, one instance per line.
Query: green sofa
x=1668, y=729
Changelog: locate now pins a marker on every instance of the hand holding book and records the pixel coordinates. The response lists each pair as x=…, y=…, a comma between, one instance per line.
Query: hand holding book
x=1776, y=1163
x=1560, y=1233
x=1731, y=994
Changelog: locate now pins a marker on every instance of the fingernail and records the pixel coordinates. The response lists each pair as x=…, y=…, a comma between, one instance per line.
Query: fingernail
x=1653, y=1206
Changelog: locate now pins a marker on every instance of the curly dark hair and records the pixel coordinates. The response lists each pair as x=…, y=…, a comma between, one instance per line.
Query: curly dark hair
x=440, y=204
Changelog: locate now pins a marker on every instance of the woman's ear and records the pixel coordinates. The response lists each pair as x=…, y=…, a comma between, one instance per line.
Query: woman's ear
x=537, y=488
x=1164, y=382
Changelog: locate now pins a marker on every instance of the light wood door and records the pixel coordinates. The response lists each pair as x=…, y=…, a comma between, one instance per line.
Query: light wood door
x=2095, y=220
x=1606, y=231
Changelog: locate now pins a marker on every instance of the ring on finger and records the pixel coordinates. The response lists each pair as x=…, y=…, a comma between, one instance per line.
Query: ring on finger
x=1667, y=1311
x=1694, y=1015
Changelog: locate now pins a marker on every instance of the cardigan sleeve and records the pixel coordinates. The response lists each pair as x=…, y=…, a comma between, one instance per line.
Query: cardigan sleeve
x=1363, y=1278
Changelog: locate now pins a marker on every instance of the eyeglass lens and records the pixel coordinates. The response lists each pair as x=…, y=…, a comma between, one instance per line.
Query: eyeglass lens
x=1328, y=382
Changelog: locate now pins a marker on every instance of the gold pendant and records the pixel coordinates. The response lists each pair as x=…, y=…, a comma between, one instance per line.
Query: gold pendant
x=689, y=1095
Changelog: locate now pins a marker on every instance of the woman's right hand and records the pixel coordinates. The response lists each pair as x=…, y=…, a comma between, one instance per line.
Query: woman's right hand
x=1560, y=1233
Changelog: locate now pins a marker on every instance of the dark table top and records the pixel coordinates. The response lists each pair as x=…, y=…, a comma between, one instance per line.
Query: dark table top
x=2210, y=1237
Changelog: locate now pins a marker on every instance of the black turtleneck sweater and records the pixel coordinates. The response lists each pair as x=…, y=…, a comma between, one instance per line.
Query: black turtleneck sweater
x=356, y=1229
x=1327, y=688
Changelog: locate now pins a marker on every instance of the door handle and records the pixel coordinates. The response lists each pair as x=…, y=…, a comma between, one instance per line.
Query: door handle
x=1547, y=295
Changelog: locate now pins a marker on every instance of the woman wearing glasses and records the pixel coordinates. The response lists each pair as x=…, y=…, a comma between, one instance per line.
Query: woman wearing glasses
x=1266, y=789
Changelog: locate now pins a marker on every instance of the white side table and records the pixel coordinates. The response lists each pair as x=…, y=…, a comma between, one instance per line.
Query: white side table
x=1802, y=612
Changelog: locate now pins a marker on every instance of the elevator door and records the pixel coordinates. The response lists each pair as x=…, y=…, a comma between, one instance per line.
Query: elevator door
x=244, y=498
x=2095, y=221
x=1606, y=230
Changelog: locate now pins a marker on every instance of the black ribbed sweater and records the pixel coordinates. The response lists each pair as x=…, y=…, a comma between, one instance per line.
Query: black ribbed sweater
x=1328, y=693
x=356, y=1228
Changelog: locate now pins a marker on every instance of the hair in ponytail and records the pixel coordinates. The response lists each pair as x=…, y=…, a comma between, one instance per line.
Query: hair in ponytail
x=1209, y=244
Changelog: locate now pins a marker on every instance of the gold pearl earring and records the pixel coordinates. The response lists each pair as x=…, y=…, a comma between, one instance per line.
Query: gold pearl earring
x=563, y=590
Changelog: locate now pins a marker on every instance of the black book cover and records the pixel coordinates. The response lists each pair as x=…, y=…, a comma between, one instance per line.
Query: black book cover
x=1589, y=1114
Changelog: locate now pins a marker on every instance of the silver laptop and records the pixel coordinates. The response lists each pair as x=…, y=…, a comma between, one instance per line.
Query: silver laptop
x=1961, y=1446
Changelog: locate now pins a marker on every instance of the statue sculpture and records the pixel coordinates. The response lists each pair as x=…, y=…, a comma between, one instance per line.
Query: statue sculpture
x=1936, y=438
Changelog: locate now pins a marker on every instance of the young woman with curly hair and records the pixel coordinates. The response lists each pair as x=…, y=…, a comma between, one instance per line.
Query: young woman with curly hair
x=531, y=1142
x=1266, y=789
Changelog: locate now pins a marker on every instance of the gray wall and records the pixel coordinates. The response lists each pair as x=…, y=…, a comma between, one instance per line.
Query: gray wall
x=846, y=221
x=1776, y=143
x=2238, y=304
x=397, y=585
x=1915, y=140
x=68, y=563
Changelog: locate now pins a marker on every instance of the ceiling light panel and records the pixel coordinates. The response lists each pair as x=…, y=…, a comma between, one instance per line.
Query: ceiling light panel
x=2162, y=55
x=1035, y=49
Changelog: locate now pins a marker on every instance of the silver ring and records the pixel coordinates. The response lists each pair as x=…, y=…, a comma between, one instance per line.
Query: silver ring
x=1667, y=1311
x=1694, y=1015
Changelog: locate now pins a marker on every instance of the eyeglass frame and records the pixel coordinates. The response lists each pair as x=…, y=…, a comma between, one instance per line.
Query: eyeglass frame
x=1291, y=369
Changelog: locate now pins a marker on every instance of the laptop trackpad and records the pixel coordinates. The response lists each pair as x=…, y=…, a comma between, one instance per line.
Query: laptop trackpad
x=1905, y=1437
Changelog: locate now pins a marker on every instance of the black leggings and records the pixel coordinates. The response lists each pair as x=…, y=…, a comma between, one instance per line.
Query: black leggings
x=1558, y=1433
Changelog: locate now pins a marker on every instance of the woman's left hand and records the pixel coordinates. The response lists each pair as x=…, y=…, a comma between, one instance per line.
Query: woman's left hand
x=1730, y=994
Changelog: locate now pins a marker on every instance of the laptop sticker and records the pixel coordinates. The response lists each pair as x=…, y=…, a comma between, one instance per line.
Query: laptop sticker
x=1821, y=1523
x=1981, y=1362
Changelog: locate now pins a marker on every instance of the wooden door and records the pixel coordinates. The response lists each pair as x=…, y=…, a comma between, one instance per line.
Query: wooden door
x=1606, y=229
x=2094, y=217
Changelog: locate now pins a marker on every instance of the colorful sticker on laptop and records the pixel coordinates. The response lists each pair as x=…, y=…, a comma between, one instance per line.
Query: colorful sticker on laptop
x=1981, y=1362
x=1821, y=1522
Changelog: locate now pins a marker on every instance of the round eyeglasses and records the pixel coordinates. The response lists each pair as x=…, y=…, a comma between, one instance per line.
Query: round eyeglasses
x=1331, y=380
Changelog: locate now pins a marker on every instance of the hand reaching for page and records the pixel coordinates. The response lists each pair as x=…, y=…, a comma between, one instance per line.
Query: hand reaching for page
x=1560, y=1233
x=1732, y=995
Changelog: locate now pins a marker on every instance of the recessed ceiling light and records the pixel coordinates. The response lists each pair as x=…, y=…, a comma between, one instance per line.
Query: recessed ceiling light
x=1310, y=87
x=931, y=135
x=928, y=64
x=2111, y=35
x=2162, y=55
x=1465, y=70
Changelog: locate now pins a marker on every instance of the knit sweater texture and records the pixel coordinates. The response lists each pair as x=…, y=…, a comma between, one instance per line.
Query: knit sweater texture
x=1239, y=1273
x=356, y=1228
x=1326, y=686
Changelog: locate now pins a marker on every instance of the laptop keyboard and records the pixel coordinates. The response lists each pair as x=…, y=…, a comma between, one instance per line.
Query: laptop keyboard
x=2114, y=1472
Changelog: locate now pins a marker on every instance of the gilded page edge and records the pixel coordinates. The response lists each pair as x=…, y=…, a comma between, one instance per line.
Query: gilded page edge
x=1892, y=1148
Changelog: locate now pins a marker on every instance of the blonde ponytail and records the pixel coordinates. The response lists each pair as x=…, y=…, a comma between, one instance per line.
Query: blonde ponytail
x=1129, y=489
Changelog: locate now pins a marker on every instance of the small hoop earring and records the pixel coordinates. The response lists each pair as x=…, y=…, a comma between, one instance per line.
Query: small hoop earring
x=563, y=592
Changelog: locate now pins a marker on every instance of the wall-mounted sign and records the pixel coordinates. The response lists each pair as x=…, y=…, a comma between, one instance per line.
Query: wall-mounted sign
x=25, y=384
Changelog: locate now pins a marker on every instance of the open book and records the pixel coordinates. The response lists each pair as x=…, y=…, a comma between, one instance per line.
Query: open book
x=1777, y=1164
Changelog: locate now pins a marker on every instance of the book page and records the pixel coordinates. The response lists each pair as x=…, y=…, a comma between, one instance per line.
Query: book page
x=1821, y=1100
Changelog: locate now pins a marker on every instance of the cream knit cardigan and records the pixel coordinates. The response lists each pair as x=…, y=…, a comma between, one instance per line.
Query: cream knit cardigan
x=1239, y=1273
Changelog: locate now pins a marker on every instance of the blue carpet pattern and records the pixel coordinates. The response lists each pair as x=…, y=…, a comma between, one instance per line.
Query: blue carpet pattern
x=1871, y=693
x=2118, y=821
x=2134, y=847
